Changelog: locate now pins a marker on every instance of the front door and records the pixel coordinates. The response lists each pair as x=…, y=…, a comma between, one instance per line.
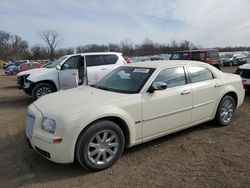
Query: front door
x=168, y=109
x=68, y=75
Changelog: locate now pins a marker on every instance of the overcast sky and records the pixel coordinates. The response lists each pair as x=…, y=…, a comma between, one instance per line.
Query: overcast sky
x=209, y=23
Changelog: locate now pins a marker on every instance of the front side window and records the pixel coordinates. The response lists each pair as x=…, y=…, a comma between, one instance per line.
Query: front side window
x=125, y=79
x=199, y=74
x=172, y=77
x=71, y=63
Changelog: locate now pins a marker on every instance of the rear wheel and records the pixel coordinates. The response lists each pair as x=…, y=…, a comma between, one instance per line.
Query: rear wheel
x=42, y=89
x=100, y=145
x=225, y=111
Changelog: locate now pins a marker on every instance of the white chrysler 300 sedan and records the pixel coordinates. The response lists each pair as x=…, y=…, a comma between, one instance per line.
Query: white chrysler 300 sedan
x=131, y=105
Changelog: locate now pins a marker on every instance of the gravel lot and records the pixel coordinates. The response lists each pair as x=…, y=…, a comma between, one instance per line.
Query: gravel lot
x=203, y=156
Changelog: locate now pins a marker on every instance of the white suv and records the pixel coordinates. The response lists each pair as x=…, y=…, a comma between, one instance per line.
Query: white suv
x=68, y=72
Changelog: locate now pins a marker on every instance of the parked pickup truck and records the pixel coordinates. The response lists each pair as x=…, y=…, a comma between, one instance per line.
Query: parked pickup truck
x=68, y=72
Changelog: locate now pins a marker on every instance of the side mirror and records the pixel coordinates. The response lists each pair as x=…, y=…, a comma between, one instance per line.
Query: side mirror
x=157, y=86
x=58, y=67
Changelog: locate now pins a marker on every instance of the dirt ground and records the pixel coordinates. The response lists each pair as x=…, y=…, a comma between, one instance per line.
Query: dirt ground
x=203, y=156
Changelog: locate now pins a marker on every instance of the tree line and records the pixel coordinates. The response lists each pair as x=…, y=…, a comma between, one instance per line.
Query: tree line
x=14, y=47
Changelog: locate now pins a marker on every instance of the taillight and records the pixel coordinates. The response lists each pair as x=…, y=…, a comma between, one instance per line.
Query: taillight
x=243, y=86
x=208, y=60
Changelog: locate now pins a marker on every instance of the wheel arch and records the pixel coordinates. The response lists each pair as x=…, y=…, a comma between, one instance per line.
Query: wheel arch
x=118, y=120
x=232, y=94
x=48, y=82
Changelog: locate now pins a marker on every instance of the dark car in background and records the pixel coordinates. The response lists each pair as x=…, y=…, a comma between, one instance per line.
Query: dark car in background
x=235, y=59
x=244, y=72
x=210, y=56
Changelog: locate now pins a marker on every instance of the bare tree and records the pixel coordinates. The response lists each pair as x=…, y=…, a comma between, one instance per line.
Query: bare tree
x=127, y=47
x=4, y=38
x=52, y=40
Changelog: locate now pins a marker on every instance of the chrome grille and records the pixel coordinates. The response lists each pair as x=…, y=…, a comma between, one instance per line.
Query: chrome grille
x=29, y=125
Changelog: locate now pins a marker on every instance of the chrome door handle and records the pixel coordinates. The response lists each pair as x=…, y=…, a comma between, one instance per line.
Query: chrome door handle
x=185, y=92
x=217, y=85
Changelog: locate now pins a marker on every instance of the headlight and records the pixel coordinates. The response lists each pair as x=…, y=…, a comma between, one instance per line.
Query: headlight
x=49, y=125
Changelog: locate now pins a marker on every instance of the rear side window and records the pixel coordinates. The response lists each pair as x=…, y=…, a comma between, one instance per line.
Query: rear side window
x=94, y=60
x=172, y=77
x=198, y=56
x=199, y=74
x=185, y=56
x=214, y=54
x=175, y=56
x=180, y=56
x=110, y=59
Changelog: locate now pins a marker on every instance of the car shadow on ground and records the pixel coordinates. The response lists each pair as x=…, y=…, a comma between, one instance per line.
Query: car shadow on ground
x=9, y=87
x=14, y=101
x=40, y=170
x=201, y=127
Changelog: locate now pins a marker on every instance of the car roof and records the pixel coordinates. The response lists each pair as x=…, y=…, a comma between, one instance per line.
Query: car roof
x=94, y=53
x=198, y=50
x=165, y=63
x=245, y=66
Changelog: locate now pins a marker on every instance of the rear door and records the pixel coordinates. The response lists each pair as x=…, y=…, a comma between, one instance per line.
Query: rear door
x=206, y=90
x=96, y=68
x=68, y=75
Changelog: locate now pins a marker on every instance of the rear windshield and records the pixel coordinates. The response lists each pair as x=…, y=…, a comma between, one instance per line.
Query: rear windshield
x=244, y=73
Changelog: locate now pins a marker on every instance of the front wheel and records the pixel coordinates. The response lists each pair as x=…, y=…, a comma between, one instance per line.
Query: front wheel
x=225, y=111
x=100, y=145
x=42, y=89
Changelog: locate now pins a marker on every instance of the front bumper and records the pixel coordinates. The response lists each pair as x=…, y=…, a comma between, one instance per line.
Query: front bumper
x=43, y=142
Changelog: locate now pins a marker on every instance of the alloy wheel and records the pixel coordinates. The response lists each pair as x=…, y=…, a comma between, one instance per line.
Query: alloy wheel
x=227, y=111
x=103, y=147
x=43, y=91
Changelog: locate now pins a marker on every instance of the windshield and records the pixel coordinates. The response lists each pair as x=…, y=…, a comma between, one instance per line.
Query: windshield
x=125, y=79
x=56, y=62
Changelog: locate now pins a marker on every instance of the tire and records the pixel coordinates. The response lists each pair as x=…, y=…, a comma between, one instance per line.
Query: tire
x=225, y=111
x=91, y=149
x=42, y=89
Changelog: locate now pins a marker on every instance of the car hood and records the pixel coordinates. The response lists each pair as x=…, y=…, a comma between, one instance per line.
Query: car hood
x=71, y=101
x=36, y=71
